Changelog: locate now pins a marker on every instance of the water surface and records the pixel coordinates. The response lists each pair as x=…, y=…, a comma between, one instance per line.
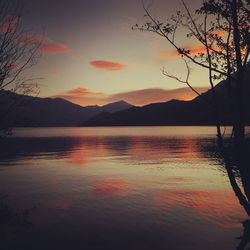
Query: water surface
x=118, y=188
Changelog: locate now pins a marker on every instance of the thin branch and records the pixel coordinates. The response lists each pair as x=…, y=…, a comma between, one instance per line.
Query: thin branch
x=186, y=81
x=215, y=101
x=158, y=30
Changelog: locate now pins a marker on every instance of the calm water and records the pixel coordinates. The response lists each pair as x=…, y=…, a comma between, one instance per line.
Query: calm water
x=117, y=188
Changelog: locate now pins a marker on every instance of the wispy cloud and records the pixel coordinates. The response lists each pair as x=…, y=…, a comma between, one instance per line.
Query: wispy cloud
x=79, y=92
x=109, y=66
x=84, y=97
x=54, y=48
x=48, y=46
x=168, y=54
x=146, y=96
x=193, y=50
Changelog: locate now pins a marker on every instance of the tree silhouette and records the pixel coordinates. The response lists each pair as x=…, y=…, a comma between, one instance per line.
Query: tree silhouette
x=19, y=50
x=221, y=30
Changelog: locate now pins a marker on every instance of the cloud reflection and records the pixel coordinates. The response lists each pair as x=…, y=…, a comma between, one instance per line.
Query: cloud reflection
x=111, y=188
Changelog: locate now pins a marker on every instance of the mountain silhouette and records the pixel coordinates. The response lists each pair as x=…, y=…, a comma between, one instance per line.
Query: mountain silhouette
x=116, y=106
x=35, y=111
x=198, y=111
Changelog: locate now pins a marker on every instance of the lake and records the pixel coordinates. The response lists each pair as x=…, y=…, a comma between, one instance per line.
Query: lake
x=117, y=188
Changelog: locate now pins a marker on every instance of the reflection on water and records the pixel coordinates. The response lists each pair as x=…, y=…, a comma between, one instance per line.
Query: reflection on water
x=121, y=188
x=245, y=238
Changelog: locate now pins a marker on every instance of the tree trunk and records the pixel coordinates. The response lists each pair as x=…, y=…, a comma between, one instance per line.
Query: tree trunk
x=239, y=134
x=239, y=123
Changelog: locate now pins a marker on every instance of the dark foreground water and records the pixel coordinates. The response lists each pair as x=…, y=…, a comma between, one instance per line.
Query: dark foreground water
x=116, y=188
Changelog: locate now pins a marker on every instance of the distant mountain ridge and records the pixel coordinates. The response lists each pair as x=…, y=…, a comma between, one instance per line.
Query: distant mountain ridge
x=116, y=106
x=175, y=112
x=45, y=112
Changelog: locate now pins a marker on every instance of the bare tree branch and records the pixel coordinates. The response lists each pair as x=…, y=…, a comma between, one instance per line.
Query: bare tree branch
x=186, y=81
x=18, y=52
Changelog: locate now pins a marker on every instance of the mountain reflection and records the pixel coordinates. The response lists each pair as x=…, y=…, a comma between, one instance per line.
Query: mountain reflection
x=80, y=150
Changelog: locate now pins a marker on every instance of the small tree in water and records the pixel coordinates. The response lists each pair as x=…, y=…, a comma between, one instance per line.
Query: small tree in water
x=221, y=28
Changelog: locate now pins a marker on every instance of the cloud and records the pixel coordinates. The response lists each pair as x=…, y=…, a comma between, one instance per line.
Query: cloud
x=194, y=50
x=221, y=33
x=197, y=50
x=85, y=97
x=146, y=96
x=109, y=66
x=166, y=54
x=54, y=48
x=79, y=91
x=47, y=45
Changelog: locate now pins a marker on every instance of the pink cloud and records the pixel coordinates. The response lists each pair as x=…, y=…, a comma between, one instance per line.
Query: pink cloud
x=54, y=48
x=83, y=97
x=109, y=66
x=79, y=91
x=173, y=53
x=193, y=50
x=47, y=46
x=221, y=33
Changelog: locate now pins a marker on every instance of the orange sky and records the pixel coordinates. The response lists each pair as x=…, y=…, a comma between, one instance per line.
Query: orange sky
x=95, y=57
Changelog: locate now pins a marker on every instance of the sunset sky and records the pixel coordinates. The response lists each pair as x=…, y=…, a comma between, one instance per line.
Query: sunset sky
x=91, y=55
